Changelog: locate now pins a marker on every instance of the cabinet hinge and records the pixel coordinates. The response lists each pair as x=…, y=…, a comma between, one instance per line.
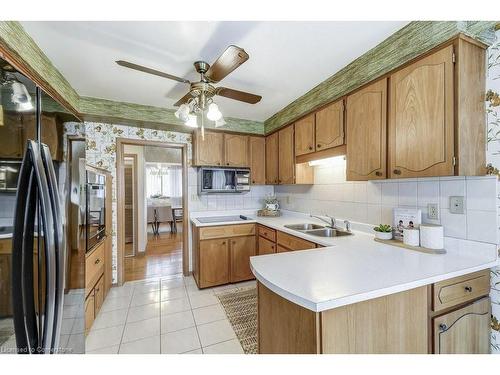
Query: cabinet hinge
x=453, y=58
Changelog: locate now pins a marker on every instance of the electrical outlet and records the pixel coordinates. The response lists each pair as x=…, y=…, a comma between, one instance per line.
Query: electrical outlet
x=432, y=211
x=457, y=205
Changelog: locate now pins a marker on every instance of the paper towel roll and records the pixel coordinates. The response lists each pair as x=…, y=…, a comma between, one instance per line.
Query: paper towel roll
x=431, y=236
x=411, y=236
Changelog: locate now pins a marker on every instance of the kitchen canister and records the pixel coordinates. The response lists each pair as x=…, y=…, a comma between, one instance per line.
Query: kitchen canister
x=432, y=236
x=411, y=236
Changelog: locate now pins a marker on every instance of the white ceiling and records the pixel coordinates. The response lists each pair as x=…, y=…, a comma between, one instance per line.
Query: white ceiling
x=287, y=59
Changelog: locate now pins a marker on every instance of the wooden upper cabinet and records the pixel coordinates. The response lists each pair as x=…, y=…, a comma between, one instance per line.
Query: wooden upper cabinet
x=11, y=143
x=286, y=156
x=209, y=151
x=257, y=159
x=242, y=248
x=330, y=126
x=236, y=150
x=272, y=159
x=464, y=331
x=366, y=127
x=304, y=135
x=421, y=118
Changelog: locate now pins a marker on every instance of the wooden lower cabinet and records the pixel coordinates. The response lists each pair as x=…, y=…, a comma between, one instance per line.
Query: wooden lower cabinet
x=5, y=284
x=241, y=249
x=99, y=295
x=89, y=311
x=218, y=261
x=214, y=262
x=464, y=331
x=266, y=246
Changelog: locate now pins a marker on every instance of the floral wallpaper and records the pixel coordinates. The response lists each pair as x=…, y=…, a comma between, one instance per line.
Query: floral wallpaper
x=493, y=157
x=101, y=152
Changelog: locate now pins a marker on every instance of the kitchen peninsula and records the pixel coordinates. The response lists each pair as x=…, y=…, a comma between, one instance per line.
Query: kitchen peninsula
x=350, y=294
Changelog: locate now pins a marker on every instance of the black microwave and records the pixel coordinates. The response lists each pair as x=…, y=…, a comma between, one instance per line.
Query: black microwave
x=9, y=173
x=95, y=216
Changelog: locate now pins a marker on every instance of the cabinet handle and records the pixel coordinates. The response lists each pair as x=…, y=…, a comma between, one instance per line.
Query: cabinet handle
x=272, y=247
x=227, y=163
x=397, y=171
x=218, y=163
x=224, y=243
x=468, y=289
x=253, y=181
x=97, y=261
x=378, y=173
x=443, y=327
x=318, y=145
x=310, y=147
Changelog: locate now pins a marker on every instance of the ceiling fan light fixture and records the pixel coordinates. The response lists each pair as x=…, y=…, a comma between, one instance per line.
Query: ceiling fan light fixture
x=220, y=122
x=214, y=113
x=192, y=121
x=183, y=112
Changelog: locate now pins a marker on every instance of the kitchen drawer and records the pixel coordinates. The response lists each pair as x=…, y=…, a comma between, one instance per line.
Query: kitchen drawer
x=293, y=243
x=224, y=231
x=94, y=267
x=268, y=233
x=98, y=295
x=266, y=246
x=89, y=311
x=282, y=249
x=460, y=289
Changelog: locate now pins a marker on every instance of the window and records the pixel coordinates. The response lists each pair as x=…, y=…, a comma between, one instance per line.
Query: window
x=163, y=179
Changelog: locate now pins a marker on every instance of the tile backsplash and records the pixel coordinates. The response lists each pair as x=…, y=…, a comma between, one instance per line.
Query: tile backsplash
x=373, y=202
x=221, y=202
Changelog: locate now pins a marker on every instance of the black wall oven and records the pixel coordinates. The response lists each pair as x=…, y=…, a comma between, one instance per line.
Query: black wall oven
x=95, y=217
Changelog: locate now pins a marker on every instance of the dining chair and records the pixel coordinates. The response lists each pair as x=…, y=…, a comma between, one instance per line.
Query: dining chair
x=164, y=215
x=151, y=219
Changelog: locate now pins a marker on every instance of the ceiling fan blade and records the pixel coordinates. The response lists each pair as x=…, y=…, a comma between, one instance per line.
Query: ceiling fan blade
x=238, y=95
x=230, y=59
x=144, y=69
x=183, y=100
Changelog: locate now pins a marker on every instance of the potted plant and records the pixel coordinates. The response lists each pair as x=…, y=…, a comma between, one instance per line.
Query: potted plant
x=383, y=232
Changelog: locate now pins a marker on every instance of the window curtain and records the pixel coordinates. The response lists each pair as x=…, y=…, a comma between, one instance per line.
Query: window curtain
x=168, y=185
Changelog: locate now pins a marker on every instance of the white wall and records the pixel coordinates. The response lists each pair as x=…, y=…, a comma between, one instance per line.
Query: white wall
x=373, y=202
x=141, y=194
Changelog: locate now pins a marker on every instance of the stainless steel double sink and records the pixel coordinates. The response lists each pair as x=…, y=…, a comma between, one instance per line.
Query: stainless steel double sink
x=318, y=230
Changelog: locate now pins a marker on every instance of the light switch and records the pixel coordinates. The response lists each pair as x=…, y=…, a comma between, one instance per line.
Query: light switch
x=457, y=204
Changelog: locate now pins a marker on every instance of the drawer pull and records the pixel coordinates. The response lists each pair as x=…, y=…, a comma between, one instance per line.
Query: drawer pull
x=378, y=173
x=397, y=171
x=443, y=327
x=310, y=147
x=97, y=261
x=468, y=289
x=224, y=243
x=318, y=145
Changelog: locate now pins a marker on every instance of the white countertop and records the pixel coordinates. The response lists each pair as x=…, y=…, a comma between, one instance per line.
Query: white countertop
x=355, y=268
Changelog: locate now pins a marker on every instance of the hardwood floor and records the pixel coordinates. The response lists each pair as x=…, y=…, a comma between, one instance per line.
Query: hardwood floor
x=163, y=256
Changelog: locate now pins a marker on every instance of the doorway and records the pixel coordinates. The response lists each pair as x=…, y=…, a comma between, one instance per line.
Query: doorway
x=152, y=209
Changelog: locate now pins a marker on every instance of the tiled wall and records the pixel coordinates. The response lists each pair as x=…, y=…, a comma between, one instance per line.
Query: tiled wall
x=217, y=202
x=373, y=202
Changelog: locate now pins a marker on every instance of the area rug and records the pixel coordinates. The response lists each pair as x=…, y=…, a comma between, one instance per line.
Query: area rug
x=241, y=309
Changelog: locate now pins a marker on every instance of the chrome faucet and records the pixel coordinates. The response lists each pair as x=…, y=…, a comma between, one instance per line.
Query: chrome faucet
x=331, y=223
x=347, y=225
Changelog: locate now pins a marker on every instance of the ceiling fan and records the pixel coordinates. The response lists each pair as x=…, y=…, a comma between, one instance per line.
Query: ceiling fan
x=201, y=93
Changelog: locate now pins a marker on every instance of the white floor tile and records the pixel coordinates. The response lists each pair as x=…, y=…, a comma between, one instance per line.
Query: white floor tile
x=226, y=347
x=173, y=293
x=120, y=291
x=173, y=283
x=145, y=298
x=116, y=303
x=67, y=326
x=142, y=329
x=143, y=312
x=110, y=319
x=180, y=341
x=209, y=314
x=196, y=351
x=78, y=326
x=76, y=344
x=201, y=300
x=149, y=345
x=102, y=338
x=189, y=280
x=175, y=305
x=108, y=350
x=147, y=287
x=215, y=332
x=177, y=321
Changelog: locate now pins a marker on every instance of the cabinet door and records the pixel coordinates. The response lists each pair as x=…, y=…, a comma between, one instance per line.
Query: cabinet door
x=236, y=150
x=272, y=163
x=421, y=118
x=286, y=158
x=89, y=311
x=242, y=248
x=330, y=126
x=257, y=156
x=266, y=246
x=5, y=285
x=366, y=126
x=209, y=151
x=464, y=331
x=11, y=143
x=214, y=262
x=49, y=133
x=98, y=295
x=304, y=135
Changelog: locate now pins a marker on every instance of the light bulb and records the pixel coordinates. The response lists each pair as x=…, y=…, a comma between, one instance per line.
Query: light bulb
x=21, y=97
x=183, y=113
x=192, y=121
x=220, y=122
x=213, y=113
